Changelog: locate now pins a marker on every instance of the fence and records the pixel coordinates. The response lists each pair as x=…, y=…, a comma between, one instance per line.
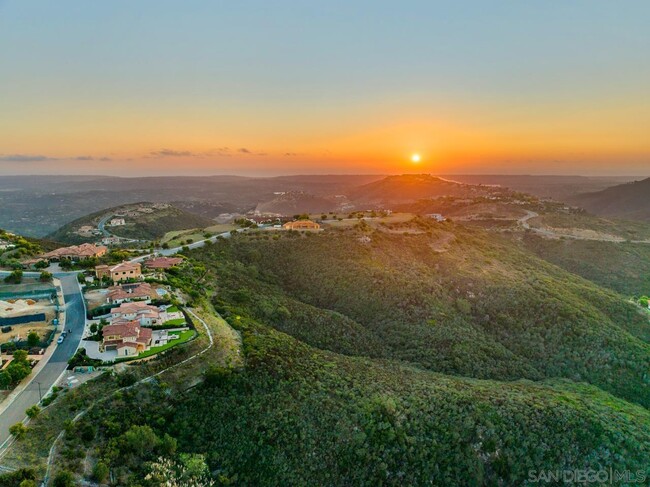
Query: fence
x=20, y=320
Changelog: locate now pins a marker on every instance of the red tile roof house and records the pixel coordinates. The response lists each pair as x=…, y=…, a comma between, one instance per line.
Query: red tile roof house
x=120, y=272
x=128, y=338
x=76, y=252
x=141, y=291
x=143, y=313
x=161, y=263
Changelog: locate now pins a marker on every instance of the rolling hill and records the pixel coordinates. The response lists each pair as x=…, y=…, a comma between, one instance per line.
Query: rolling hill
x=143, y=221
x=630, y=200
x=412, y=354
x=409, y=188
x=294, y=202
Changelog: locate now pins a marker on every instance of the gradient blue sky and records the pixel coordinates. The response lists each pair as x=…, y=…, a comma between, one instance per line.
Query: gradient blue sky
x=208, y=87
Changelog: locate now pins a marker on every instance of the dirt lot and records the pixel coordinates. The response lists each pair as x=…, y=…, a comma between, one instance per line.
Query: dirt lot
x=95, y=298
x=22, y=307
x=43, y=329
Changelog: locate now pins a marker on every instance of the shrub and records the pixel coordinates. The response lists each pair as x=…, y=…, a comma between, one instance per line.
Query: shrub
x=15, y=277
x=100, y=472
x=64, y=478
x=18, y=431
x=33, y=411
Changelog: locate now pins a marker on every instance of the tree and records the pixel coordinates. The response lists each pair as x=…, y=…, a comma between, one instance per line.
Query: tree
x=33, y=339
x=644, y=301
x=33, y=411
x=141, y=440
x=20, y=356
x=5, y=379
x=168, y=445
x=93, y=328
x=18, y=431
x=100, y=472
x=45, y=276
x=18, y=371
x=15, y=277
x=27, y=483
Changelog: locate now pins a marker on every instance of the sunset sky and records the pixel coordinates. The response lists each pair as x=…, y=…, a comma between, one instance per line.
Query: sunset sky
x=280, y=87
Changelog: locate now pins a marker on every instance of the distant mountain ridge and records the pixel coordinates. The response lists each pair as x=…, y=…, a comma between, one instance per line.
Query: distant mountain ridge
x=630, y=200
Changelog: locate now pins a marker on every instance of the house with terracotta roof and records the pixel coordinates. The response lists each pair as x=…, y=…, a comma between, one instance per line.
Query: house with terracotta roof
x=162, y=263
x=145, y=314
x=76, y=252
x=138, y=291
x=124, y=271
x=301, y=225
x=127, y=338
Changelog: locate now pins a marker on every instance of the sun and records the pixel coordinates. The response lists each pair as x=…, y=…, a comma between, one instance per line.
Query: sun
x=415, y=158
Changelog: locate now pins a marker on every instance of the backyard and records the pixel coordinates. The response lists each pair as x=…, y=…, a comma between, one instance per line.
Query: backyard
x=183, y=337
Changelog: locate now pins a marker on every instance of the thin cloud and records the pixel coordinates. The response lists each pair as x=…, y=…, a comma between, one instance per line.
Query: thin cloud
x=172, y=153
x=25, y=158
x=244, y=150
x=220, y=151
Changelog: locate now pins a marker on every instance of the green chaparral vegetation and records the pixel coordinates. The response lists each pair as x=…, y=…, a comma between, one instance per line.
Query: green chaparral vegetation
x=622, y=266
x=15, y=248
x=418, y=353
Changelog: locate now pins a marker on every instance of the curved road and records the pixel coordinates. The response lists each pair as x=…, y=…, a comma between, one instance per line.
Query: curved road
x=195, y=245
x=75, y=312
x=75, y=320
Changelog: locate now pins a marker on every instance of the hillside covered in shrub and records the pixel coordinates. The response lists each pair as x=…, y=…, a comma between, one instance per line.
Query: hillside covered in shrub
x=413, y=354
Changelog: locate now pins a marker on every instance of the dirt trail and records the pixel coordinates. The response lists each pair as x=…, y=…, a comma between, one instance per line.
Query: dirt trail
x=574, y=234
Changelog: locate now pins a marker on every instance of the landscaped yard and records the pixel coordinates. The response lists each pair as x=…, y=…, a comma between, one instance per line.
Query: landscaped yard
x=183, y=336
x=175, y=322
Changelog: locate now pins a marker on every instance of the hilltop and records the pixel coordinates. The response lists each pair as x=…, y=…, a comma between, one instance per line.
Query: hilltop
x=409, y=188
x=630, y=200
x=294, y=202
x=141, y=221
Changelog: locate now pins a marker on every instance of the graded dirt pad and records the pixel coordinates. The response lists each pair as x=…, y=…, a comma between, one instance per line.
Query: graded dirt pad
x=15, y=308
x=95, y=298
x=22, y=331
x=21, y=307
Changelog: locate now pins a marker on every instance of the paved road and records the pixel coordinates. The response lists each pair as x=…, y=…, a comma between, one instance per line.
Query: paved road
x=48, y=375
x=195, y=245
x=102, y=225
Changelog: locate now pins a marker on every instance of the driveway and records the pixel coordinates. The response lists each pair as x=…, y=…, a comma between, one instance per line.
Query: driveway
x=50, y=373
x=92, y=350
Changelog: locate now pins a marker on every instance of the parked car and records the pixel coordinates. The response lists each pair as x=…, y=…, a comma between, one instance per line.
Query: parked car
x=61, y=338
